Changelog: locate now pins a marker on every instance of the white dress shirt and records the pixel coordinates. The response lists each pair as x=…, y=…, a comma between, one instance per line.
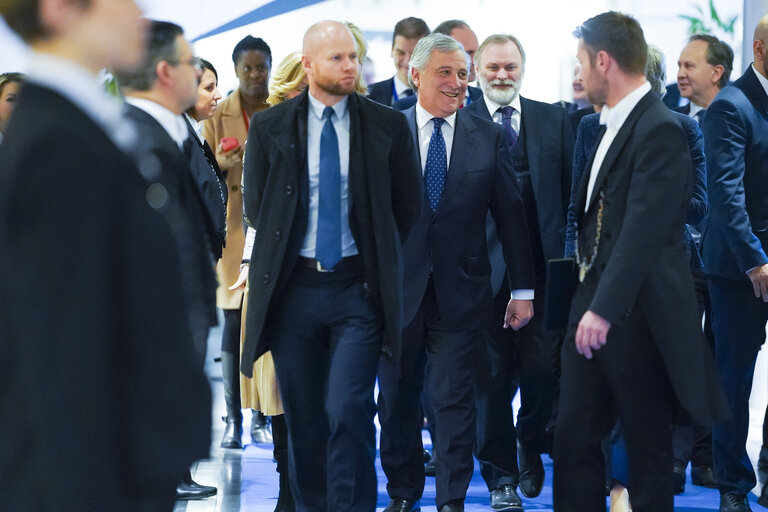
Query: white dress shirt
x=315, y=124
x=760, y=78
x=172, y=123
x=613, y=119
x=426, y=127
x=493, y=109
x=695, y=109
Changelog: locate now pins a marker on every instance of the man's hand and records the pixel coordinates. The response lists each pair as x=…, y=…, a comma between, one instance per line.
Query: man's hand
x=591, y=334
x=519, y=313
x=229, y=159
x=759, y=278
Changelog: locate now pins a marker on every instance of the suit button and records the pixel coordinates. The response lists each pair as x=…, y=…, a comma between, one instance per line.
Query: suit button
x=278, y=235
x=266, y=279
x=289, y=190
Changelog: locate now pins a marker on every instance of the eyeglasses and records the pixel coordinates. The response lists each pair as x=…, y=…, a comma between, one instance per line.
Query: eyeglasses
x=195, y=62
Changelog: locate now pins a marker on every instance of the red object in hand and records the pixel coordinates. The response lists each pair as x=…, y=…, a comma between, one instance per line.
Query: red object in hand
x=228, y=143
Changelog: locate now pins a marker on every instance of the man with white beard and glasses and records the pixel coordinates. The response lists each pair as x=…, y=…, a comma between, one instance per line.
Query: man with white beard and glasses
x=541, y=142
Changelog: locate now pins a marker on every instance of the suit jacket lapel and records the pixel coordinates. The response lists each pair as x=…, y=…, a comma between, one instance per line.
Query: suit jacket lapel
x=463, y=140
x=583, y=185
x=617, y=145
x=754, y=91
x=531, y=140
x=290, y=136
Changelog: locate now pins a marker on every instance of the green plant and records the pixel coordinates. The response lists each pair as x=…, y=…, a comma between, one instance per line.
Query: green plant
x=701, y=25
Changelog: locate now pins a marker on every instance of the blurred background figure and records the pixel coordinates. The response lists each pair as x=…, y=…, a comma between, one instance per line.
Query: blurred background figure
x=227, y=131
x=10, y=83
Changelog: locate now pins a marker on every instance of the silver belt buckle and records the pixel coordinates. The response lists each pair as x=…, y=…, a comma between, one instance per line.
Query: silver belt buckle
x=320, y=267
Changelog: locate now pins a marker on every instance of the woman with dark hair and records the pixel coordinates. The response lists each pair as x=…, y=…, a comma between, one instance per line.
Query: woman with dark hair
x=10, y=84
x=226, y=131
x=208, y=95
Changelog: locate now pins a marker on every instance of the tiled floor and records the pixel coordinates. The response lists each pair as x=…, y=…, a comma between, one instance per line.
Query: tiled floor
x=247, y=480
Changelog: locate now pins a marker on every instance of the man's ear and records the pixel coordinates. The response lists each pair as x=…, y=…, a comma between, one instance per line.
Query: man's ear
x=163, y=72
x=416, y=77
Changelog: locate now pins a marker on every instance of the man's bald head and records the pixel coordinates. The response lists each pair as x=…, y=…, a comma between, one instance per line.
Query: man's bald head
x=324, y=32
x=760, y=46
x=330, y=61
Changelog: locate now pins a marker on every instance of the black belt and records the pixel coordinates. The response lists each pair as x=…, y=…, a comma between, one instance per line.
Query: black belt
x=350, y=262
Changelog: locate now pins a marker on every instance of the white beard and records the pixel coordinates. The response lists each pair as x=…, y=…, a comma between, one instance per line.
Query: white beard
x=500, y=96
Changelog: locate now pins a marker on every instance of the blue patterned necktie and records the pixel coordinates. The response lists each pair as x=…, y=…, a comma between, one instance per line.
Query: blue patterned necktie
x=437, y=164
x=510, y=135
x=328, y=244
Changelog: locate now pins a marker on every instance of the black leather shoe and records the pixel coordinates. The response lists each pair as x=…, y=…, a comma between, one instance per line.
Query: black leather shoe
x=402, y=505
x=531, y=471
x=763, y=499
x=453, y=506
x=430, y=468
x=191, y=490
x=704, y=476
x=678, y=477
x=233, y=433
x=505, y=498
x=734, y=502
x=260, y=433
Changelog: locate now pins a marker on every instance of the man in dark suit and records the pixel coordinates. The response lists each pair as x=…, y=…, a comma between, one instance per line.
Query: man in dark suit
x=704, y=68
x=332, y=187
x=733, y=248
x=540, y=139
x=407, y=33
x=448, y=301
x=158, y=92
x=460, y=31
x=97, y=363
x=633, y=340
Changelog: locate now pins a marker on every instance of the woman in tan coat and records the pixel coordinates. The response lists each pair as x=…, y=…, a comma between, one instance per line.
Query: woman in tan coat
x=227, y=131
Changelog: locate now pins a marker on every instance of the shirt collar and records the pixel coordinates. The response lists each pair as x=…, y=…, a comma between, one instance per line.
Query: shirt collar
x=171, y=123
x=614, y=117
x=317, y=107
x=763, y=81
x=493, y=106
x=197, y=126
x=400, y=87
x=84, y=90
x=694, y=109
x=423, y=117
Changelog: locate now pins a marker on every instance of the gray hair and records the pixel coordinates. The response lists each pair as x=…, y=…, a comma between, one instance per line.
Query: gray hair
x=499, y=39
x=424, y=48
x=656, y=71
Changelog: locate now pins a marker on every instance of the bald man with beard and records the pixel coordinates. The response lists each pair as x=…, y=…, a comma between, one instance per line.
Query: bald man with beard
x=332, y=184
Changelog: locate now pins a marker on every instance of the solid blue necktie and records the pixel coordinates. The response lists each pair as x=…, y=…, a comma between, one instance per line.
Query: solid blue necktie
x=328, y=245
x=510, y=135
x=437, y=164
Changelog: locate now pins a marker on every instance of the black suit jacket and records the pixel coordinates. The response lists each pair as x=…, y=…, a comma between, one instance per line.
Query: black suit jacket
x=735, y=237
x=211, y=187
x=450, y=244
x=385, y=188
x=186, y=212
x=475, y=93
x=381, y=92
x=96, y=363
x=548, y=141
x=641, y=268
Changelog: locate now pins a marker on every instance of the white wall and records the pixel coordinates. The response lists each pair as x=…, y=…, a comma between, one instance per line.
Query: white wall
x=544, y=27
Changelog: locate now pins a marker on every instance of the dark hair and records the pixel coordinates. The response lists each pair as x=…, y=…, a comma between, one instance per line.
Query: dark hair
x=7, y=78
x=249, y=43
x=718, y=54
x=204, y=64
x=619, y=35
x=22, y=16
x=447, y=26
x=161, y=46
x=410, y=28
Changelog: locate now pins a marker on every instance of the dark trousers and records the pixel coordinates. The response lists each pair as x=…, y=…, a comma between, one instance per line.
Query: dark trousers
x=450, y=357
x=738, y=322
x=624, y=380
x=528, y=358
x=690, y=441
x=325, y=336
